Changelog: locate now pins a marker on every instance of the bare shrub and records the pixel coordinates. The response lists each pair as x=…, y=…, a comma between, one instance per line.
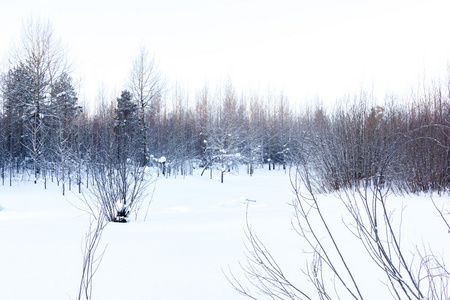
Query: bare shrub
x=91, y=261
x=330, y=270
x=118, y=191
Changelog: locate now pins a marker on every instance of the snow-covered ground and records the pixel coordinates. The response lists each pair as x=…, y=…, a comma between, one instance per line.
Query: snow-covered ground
x=192, y=234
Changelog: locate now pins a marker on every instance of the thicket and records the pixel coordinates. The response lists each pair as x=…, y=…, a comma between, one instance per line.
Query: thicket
x=402, y=142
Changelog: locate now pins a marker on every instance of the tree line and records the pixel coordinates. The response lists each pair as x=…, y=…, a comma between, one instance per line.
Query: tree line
x=47, y=134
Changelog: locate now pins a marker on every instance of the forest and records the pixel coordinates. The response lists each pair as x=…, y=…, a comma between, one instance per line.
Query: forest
x=46, y=133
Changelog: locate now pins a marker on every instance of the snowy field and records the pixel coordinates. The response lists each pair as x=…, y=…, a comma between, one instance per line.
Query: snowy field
x=192, y=234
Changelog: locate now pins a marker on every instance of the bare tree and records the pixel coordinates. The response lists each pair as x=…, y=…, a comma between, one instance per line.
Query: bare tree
x=225, y=142
x=254, y=135
x=202, y=119
x=3, y=145
x=146, y=84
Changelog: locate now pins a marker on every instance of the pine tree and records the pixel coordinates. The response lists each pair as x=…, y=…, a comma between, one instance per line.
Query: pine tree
x=18, y=114
x=125, y=126
x=65, y=109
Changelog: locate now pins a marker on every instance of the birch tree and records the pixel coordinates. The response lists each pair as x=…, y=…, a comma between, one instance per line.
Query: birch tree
x=43, y=58
x=146, y=85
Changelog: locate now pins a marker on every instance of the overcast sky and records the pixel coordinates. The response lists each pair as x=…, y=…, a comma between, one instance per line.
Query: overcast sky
x=308, y=49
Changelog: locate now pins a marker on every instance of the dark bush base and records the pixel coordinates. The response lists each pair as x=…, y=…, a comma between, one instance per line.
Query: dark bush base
x=121, y=218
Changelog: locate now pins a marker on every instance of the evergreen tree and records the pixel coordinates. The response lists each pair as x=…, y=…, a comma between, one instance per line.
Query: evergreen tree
x=64, y=110
x=125, y=126
x=18, y=114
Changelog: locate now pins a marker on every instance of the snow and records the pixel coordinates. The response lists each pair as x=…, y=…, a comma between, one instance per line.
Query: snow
x=193, y=233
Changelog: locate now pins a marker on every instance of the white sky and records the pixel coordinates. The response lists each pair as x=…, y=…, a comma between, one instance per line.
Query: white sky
x=309, y=49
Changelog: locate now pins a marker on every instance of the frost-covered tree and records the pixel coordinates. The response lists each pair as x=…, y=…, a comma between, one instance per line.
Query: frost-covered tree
x=125, y=127
x=202, y=123
x=254, y=135
x=3, y=148
x=226, y=139
x=65, y=109
x=179, y=135
x=283, y=127
x=146, y=84
x=41, y=57
x=18, y=108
